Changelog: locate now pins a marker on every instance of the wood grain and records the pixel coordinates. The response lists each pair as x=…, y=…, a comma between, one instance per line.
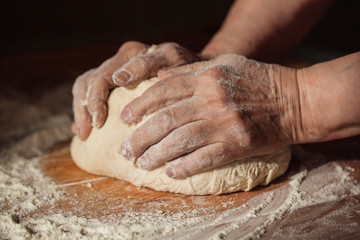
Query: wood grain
x=98, y=197
x=121, y=195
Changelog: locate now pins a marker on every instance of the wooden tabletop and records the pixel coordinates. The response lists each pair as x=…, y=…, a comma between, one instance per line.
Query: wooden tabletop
x=93, y=196
x=96, y=196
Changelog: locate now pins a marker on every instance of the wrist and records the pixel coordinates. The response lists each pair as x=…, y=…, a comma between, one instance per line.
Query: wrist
x=330, y=99
x=289, y=104
x=214, y=48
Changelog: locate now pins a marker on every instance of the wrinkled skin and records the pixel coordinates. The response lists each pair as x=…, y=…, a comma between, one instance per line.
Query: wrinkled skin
x=211, y=113
x=130, y=65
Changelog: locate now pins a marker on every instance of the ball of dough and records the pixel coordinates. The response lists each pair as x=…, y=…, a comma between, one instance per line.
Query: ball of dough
x=100, y=155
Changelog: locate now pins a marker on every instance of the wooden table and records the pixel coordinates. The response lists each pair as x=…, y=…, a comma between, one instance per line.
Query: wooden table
x=95, y=196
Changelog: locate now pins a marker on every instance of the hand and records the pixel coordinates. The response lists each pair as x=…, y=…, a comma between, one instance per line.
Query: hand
x=133, y=63
x=211, y=113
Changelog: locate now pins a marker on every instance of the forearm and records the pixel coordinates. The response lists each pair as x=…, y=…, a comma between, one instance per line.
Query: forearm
x=330, y=99
x=264, y=29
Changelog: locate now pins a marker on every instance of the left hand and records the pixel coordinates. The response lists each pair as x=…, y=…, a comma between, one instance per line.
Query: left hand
x=211, y=113
x=133, y=63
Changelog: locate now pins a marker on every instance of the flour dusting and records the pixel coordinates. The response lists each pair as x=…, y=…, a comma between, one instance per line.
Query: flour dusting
x=312, y=203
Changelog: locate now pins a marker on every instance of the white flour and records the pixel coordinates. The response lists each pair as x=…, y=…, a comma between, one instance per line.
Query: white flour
x=24, y=188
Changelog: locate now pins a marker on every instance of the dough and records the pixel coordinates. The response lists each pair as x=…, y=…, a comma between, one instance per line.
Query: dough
x=99, y=154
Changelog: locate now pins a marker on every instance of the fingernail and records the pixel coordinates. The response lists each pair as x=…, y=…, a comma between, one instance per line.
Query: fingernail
x=126, y=115
x=78, y=131
x=95, y=123
x=170, y=171
x=121, y=77
x=143, y=162
x=126, y=150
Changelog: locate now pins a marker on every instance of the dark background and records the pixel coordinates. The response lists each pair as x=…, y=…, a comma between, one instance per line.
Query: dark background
x=38, y=26
x=45, y=43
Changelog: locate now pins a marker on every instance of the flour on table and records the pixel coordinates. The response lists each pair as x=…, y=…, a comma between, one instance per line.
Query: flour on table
x=328, y=193
x=25, y=188
x=99, y=155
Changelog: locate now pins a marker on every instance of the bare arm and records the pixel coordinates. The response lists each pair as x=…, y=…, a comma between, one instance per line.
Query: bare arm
x=237, y=107
x=330, y=100
x=259, y=29
x=265, y=29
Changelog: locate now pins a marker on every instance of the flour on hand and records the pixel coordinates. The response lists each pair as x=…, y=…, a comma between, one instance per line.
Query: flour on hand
x=99, y=154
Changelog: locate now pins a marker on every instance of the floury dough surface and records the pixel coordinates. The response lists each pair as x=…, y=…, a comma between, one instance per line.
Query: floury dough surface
x=99, y=155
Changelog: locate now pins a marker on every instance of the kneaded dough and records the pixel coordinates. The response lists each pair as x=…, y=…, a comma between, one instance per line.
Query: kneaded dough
x=100, y=155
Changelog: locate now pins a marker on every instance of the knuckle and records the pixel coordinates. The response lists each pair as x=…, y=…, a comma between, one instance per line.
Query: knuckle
x=184, y=82
x=171, y=47
x=221, y=100
x=107, y=78
x=138, y=142
x=139, y=63
x=102, y=78
x=169, y=114
x=238, y=134
x=221, y=154
x=214, y=73
x=219, y=96
x=162, y=86
x=96, y=101
x=79, y=83
x=179, y=54
x=204, y=161
x=212, y=157
x=128, y=45
x=230, y=58
x=131, y=49
x=201, y=131
x=224, y=57
x=166, y=118
x=191, y=137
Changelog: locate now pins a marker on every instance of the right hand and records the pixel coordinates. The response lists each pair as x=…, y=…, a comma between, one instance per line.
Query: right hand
x=133, y=63
x=211, y=113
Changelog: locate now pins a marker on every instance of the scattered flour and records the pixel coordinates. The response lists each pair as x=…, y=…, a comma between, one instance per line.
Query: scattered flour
x=24, y=188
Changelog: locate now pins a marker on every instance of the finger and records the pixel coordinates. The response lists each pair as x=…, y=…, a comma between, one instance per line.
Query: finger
x=147, y=65
x=98, y=93
x=127, y=51
x=84, y=126
x=158, y=127
x=164, y=73
x=81, y=114
x=100, y=82
x=182, y=140
x=202, y=159
x=161, y=94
